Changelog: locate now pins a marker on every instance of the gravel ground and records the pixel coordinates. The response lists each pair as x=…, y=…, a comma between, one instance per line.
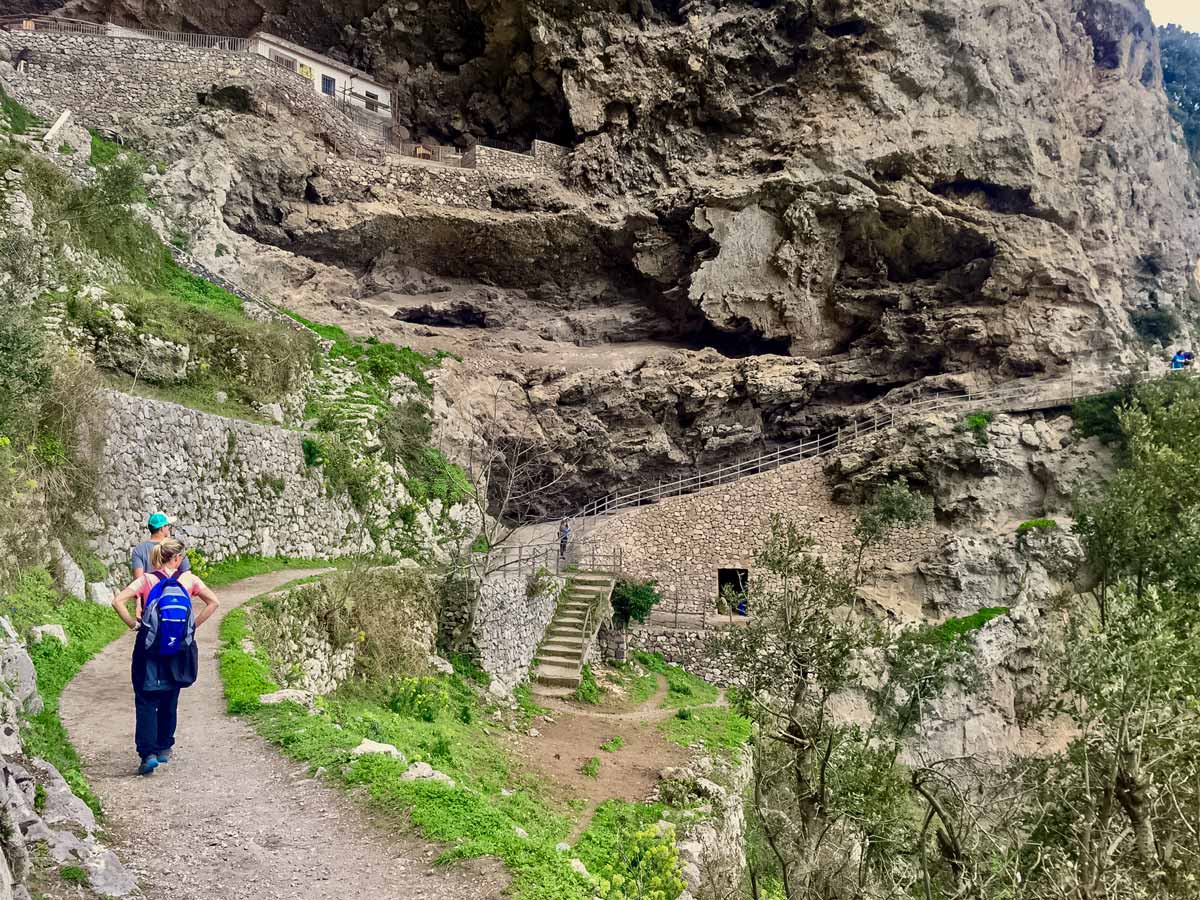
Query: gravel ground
x=229, y=818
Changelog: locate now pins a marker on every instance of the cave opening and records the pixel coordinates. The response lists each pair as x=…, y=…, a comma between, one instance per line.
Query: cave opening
x=740, y=342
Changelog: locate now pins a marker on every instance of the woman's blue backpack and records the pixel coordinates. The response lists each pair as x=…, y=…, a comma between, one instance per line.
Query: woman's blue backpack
x=167, y=619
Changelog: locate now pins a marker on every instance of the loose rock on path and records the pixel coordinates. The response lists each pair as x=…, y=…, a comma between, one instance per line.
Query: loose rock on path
x=229, y=818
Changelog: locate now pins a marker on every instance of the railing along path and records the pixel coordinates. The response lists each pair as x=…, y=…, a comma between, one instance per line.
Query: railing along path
x=56, y=25
x=1040, y=395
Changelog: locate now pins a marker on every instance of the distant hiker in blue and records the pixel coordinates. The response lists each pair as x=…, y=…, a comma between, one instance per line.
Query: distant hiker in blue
x=564, y=537
x=165, y=658
x=1179, y=360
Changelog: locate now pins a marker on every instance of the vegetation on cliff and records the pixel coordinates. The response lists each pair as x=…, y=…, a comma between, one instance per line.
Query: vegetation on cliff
x=1181, y=77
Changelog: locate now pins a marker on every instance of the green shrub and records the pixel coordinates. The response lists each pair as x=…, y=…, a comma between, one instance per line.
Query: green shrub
x=647, y=868
x=634, y=601
x=589, y=690
x=1034, y=526
x=436, y=478
x=978, y=423
x=419, y=698
x=613, y=744
x=1097, y=416
x=591, y=768
x=312, y=451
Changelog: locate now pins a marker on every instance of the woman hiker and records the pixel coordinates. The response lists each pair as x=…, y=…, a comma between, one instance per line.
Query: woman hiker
x=165, y=658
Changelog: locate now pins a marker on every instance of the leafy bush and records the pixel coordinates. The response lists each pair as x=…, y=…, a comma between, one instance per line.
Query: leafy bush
x=591, y=768
x=1155, y=325
x=1097, y=416
x=104, y=151
x=613, y=744
x=978, y=424
x=633, y=601
x=419, y=698
x=647, y=868
x=1034, y=526
x=589, y=690
x=436, y=478
x=957, y=628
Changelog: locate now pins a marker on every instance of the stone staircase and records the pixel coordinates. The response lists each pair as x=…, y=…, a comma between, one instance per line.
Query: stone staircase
x=559, y=661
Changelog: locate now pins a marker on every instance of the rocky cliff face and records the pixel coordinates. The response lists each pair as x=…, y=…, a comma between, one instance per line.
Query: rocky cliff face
x=893, y=192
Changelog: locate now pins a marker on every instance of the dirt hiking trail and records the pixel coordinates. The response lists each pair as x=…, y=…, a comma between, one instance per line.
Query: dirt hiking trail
x=229, y=818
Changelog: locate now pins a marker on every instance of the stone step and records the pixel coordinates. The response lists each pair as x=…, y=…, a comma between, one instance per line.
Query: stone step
x=550, y=692
x=564, y=643
x=570, y=621
x=557, y=676
x=558, y=658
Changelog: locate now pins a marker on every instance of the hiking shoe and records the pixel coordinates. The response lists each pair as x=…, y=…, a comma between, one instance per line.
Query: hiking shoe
x=149, y=764
x=163, y=756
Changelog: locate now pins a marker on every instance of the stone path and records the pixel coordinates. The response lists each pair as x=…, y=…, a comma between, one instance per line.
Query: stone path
x=229, y=818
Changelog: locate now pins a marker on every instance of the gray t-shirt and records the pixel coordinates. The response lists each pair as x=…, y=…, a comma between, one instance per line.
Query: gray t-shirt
x=141, y=558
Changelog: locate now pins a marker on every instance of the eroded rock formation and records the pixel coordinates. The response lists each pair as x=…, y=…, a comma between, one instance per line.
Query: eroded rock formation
x=900, y=193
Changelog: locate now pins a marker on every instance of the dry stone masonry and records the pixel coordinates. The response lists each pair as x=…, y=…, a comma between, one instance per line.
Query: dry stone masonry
x=108, y=80
x=682, y=542
x=515, y=608
x=235, y=487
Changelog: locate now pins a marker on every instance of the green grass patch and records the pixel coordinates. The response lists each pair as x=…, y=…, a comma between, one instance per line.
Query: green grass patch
x=89, y=629
x=955, y=629
x=202, y=397
x=613, y=744
x=589, y=690
x=104, y=152
x=683, y=688
x=718, y=727
x=20, y=120
x=73, y=874
x=591, y=768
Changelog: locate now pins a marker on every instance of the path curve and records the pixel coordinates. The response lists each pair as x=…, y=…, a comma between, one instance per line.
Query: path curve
x=231, y=819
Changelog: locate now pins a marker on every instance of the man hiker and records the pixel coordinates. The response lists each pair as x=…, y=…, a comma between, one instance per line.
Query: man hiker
x=564, y=535
x=159, y=524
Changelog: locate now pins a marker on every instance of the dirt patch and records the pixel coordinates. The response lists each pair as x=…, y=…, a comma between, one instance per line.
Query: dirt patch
x=569, y=741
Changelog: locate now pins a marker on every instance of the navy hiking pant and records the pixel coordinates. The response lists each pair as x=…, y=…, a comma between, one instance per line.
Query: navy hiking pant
x=156, y=716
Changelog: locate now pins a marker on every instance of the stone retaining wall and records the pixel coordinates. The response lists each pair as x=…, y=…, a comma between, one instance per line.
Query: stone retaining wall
x=681, y=542
x=544, y=160
x=235, y=487
x=687, y=648
x=515, y=609
x=344, y=180
x=106, y=80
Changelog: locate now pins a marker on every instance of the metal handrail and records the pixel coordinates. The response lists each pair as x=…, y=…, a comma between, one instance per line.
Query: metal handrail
x=823, y=445
x=58, y=25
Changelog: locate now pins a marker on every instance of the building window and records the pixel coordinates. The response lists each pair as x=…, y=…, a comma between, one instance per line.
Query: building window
x=372, y=101
x=286, y=61
x=328, y=85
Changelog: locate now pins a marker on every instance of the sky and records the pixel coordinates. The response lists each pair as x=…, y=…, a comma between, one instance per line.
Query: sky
x=1181, y=12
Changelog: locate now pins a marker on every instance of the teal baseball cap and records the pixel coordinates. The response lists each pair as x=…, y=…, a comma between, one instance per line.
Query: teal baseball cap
x=159, y=520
